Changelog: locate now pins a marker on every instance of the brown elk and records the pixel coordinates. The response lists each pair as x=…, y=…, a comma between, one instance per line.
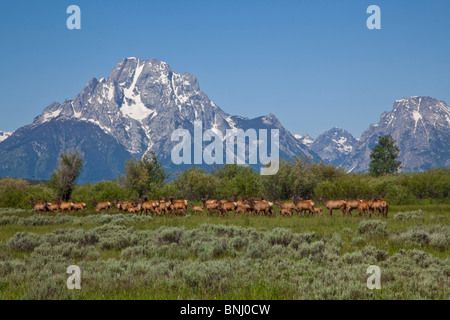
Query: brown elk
x=122, y=205
x=304, y=205
x=334, y=205
x=105, y=205
x=196, y=208
x=243, y=207
x=352, y=205
x=289, y=204
x=380, y=205
x=206, y=199
x=39, y=206
x=384, y=207
x=286, y=208
x=264, y=201
x=135, y=207
x=178, y=205
x=365, y=207
x=318, y=210
x=227, y=206
x=261, y=207
x=117, y=204
x=65, y=206
x=164, y=206
x=150, y=206
x=52, y=206
x=212, y=205
x=79, y=206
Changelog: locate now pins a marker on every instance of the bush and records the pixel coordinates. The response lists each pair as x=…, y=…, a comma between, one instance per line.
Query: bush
x=280, y=236
x=102, y=191
x=418, y=214
x=194, y=184
x=437, y=236
x=373, y=228
x=24, y=241
x=170, y=234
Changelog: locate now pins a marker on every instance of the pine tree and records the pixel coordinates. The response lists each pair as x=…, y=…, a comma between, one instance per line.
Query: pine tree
x=384, y=157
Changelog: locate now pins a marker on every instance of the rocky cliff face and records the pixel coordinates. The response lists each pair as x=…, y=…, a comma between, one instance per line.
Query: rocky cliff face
x=334, y=146
x=421, y=129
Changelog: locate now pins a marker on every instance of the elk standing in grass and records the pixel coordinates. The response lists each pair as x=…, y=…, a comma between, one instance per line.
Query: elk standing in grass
x=385, y=207
x=365, y=207
x=243, y=207
x=39, y=206
x=286, y=208
x=381, y=206
x=105, y=205
x=164, y=206
x=65, y=206
x=304, y=205
x=196, y=208
x=318, y=210
x=211, y=205
x=52, y=206
x=352, y=204
x=178, y=205
x=79, y=206
x=150, y=206
x=261, y=207
x=334, y=205
x=135, y=207
x=227, y=206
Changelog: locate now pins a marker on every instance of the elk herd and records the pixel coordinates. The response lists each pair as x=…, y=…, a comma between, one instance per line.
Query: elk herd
x=57, y=205
x=244, y=206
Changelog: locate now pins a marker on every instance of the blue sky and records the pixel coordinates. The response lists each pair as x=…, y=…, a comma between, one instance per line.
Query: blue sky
x=314, y=64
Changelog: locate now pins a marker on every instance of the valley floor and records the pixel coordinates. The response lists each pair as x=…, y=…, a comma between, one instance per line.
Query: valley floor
x=124, y=256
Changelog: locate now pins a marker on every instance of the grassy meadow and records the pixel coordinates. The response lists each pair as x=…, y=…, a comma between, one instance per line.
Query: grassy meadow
x=127, y=256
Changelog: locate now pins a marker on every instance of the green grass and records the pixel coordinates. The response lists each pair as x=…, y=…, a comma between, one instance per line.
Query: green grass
x=201, y=257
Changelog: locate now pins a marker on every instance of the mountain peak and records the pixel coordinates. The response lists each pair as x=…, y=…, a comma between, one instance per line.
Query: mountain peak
x=334, y=145
x=419, y=125
x=139, y=106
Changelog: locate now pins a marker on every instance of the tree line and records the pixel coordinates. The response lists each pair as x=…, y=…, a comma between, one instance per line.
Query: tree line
x=298, y=177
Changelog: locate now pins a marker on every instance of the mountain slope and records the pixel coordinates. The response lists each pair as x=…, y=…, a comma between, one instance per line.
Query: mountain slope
x=420, y=127
x=137, y=108
x=305, y=139
x=4, y=135
x=334, y=145
x=32, y=152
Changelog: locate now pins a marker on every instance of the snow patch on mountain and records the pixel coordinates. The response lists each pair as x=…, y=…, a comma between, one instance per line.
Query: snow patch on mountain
x=132, y=106
x=334, y=145
x=305, y=139
x=4, y=135
x=49, y=116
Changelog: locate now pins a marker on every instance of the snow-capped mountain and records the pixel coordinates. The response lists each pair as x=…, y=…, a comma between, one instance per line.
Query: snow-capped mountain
x=305, y=139
x=142, y=102
x=334, y=145
x=135, y=109
x=4, y=135
x=421, y=128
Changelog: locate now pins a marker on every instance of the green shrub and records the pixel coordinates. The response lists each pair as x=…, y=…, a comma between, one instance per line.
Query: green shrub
x=170, y=234
x=418, y=214
x=24, y=241
x=280, y=236
x=373, y=228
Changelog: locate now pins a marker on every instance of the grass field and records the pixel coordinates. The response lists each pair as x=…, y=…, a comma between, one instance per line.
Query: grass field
x=124, y=256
